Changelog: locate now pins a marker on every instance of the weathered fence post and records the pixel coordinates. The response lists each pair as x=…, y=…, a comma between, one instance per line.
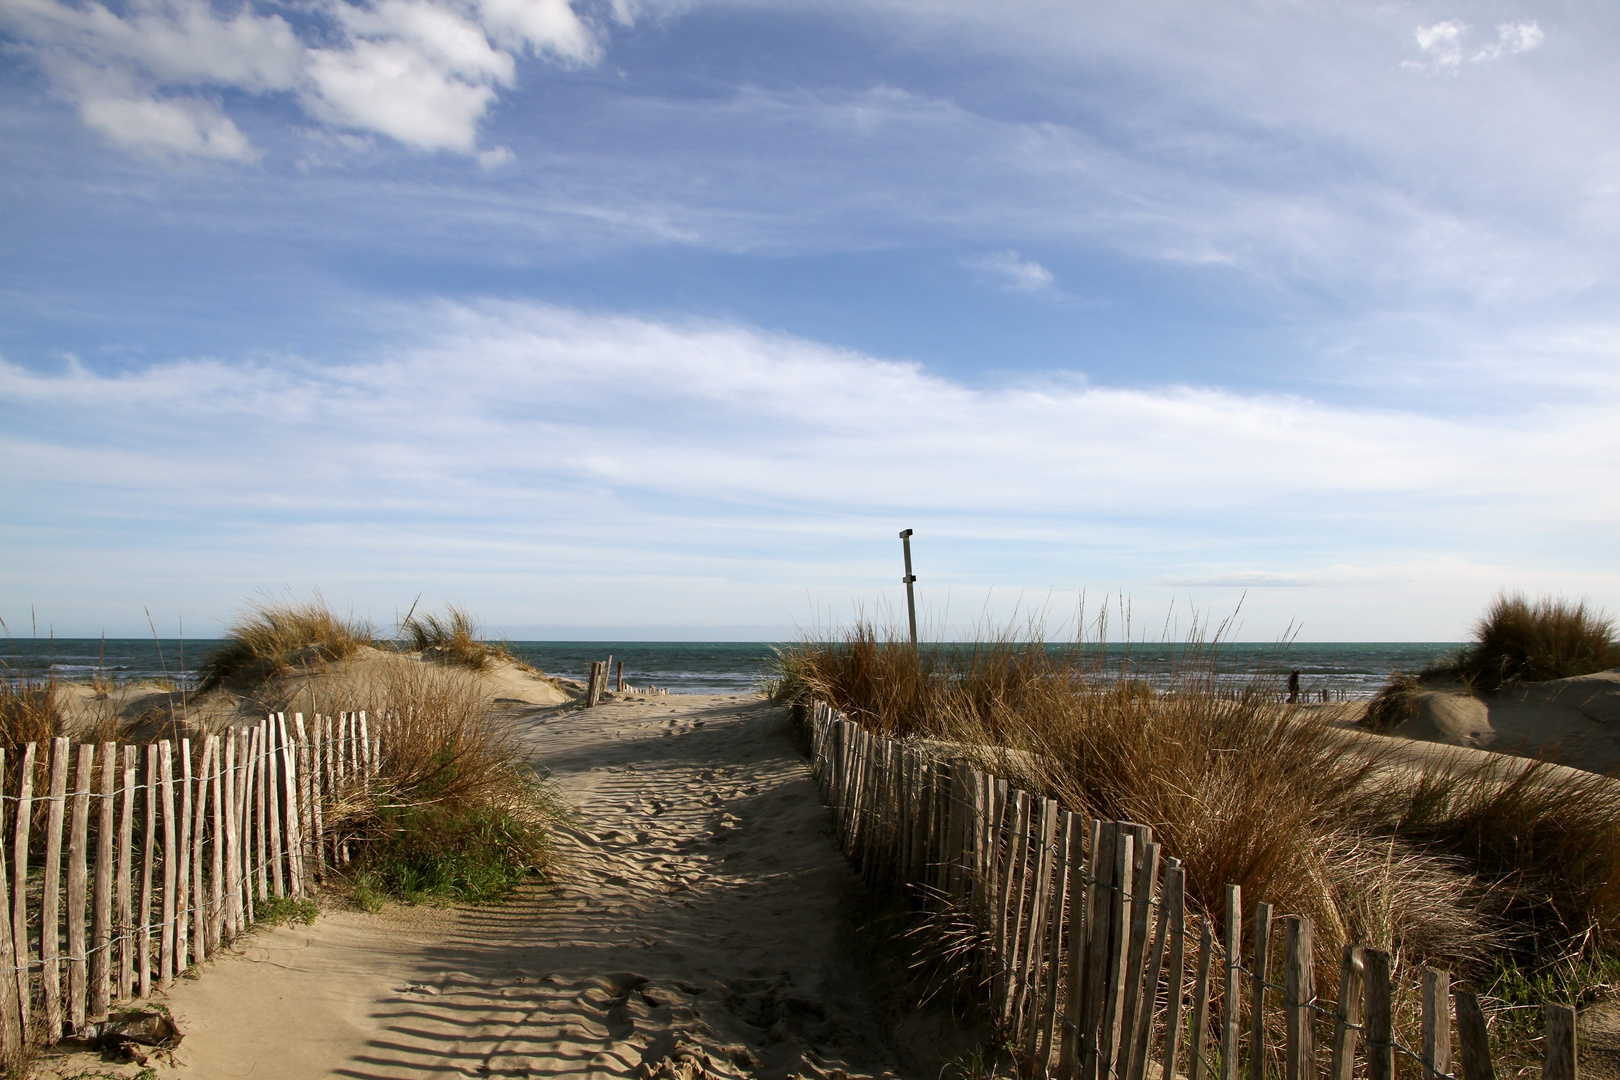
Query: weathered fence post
x=1300, y=994
x=1257, y=991
x=50, y=926
x=1380, y=1031
x=1231, y=1001
x=1473, y=1043
x=1436, y=1024
x=1558, y=1061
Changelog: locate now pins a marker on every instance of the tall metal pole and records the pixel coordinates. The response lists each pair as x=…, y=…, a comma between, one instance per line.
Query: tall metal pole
x=909, y=579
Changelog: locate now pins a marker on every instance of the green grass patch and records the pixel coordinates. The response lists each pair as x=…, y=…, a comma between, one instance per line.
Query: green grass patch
x=277, y=910
x=1518, y=994
x=473, y=854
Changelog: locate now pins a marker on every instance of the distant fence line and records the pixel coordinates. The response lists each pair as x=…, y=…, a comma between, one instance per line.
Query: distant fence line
x=1087, y=959
x=228, y=821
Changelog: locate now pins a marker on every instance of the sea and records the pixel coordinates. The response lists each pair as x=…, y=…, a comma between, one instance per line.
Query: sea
x=1338, y=670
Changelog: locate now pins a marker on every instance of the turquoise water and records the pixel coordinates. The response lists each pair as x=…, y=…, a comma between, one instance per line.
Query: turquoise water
x=1343, y=669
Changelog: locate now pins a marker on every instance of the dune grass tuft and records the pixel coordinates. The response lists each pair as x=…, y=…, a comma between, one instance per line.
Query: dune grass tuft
x=1519, y=640
x=275, y=636
x=28, y=712
x=454, y=637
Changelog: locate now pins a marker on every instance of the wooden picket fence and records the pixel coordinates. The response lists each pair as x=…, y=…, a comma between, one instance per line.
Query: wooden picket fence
x=1087, y=945
x=167, y=855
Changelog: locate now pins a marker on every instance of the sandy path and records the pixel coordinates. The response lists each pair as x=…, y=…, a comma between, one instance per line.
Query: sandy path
x=702, y=930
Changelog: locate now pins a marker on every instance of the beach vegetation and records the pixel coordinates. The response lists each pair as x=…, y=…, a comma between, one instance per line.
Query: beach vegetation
x=1443, y=865
x=28, y=711
x=275, y=636
x=455, y=810
x=1517, y=640
x=281, y=910
x=1523, y=640
x=453, y=637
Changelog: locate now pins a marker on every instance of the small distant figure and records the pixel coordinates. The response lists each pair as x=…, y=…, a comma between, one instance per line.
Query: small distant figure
x=1293, y=685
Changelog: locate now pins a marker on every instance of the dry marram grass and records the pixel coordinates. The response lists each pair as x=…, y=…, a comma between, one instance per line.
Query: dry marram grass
x=275, y=636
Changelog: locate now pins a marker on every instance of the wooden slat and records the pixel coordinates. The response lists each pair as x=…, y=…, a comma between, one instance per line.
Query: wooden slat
x=1099, y=918
x=1002, y=851
x=170, y=867
x=1119, y=946
x=1347, y=1016
x=289, y=809
x=1257, y=991
x=273, y=787
x=183, y=859
x=1436, y=1023
x=1232, y=996
x=213, y=769
x=1175, y=909
x=1473, y=1043
x=258, y=755
x=306, y=807
x=1021, y=876
x=199, y=830
x=367, y=758
x=19, y=884
x=1060, y=919
x=995, y=838
x=101, y=918
x=1041, y=903
x=77, y=889
x=1198, y=1036
x=232, y=914
x=1145, y=874
x=329, y=748
x=143, y=948
x=1558, y=1060
x=1380, y=1030
x=1139, y=1038
x=50, y=925
x=1299, y=978
x=1075, y=965
x=126, y=871
x=11, y=1027
x=318, y=789
x=252, y=867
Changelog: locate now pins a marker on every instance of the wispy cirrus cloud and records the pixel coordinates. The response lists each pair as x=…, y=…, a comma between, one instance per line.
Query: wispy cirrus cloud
x=1013, y=271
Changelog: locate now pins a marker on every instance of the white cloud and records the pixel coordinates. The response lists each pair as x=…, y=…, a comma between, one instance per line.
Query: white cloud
x=423, y=72
x=1015, y=272
x=1512, y=38
x=724, y=412
x=520, y=444
x=182, y=126
x=1444, y=42
x=393, y=89
x=495, y=157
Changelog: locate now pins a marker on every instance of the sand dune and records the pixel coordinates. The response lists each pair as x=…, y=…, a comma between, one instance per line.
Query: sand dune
x=1575, y=722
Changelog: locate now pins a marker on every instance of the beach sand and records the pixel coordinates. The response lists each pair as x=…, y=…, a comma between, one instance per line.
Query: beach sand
x=702, y=928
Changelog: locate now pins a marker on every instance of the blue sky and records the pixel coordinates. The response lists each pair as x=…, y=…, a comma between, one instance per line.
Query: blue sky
x=642, y=319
